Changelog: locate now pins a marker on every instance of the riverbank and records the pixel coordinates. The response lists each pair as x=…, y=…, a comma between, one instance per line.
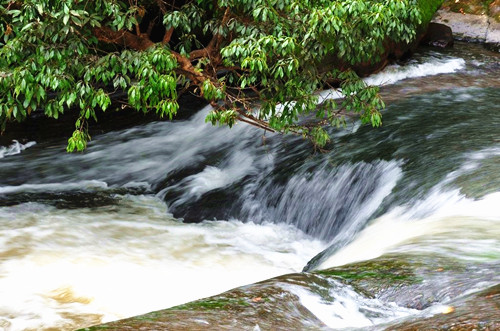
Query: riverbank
x=472, y=21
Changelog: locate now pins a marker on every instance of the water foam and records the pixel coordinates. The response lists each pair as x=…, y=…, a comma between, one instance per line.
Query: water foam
x=345, y=308
x=457, y=226
x=15, y=148
x=395, y=73
x=62, y=267
x=55, y=187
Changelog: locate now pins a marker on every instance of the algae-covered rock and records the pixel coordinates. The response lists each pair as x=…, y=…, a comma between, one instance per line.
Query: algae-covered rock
x=266, y=305
x=374, y=288
x=414, y=281
x=477, y=311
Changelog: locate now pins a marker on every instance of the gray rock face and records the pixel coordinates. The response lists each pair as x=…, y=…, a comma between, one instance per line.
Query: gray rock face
x=464, y=27
x=493, y=34
x=473, y=28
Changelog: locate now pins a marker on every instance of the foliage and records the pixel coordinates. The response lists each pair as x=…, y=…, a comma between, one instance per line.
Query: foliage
x=255, y=61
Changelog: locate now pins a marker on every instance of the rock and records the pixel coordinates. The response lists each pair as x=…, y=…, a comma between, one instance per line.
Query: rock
x=411, y=281
x=464, y=26
x=476, y=7
x=493, y=34
x=438, y=35
x=261, y=306
x=480, y=26
x=478, y=311
x=277, y=303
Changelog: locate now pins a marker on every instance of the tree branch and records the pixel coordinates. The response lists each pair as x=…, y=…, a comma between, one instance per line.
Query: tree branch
x=123, y=38
x=168, y=35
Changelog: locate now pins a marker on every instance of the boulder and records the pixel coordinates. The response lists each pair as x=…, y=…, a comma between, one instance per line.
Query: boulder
x=493, y=33
x=465, y=27
x=472, y=22
x=438, y=35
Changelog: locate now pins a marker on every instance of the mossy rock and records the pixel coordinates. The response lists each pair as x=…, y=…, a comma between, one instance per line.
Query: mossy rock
x=477, y=311
x=408, y=280
x=413, y=281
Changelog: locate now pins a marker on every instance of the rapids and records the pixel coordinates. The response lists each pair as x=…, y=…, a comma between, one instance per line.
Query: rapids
x=168, y=212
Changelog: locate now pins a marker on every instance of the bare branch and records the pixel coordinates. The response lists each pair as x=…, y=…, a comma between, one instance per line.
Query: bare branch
x=123, y=38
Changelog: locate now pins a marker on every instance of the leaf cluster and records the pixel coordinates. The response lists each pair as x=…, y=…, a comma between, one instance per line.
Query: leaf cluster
x=256, y=61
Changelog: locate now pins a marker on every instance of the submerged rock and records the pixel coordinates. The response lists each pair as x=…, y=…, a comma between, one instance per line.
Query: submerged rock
x=477, y=311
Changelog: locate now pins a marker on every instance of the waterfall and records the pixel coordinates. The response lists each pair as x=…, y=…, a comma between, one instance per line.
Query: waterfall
x=167, y=212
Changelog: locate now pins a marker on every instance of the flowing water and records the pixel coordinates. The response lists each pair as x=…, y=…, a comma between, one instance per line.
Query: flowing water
x=168, y=212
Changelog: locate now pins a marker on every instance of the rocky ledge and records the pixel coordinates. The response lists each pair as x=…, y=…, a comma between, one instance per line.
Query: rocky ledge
x=441, y=293
x=473, y=21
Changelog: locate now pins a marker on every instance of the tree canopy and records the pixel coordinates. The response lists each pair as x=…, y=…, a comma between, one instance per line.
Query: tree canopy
x=254, y=61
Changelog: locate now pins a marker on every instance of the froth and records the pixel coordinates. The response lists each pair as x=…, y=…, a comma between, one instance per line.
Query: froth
x=113, y=263
x=15, y=148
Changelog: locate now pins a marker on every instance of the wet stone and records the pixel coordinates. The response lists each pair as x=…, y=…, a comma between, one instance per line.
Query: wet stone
x=409, y=281
x=478, y=311
x=414, y=282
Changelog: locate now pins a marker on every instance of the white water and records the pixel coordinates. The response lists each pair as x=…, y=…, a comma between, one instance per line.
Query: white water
x=15, y=148
x=445, y=222
x=62, y=266
x=348, y=309
x=54, y=187
x=457, y=227
x=335, y=195
x=395, y=73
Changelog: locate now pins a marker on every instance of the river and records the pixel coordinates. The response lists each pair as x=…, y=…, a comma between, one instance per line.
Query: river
x=98, y=236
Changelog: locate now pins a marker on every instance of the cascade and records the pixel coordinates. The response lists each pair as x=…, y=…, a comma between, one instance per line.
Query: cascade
x=168, y=212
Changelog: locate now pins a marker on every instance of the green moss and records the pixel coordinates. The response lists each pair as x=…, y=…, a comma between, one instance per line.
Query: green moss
x=149, y=316
x=353, y=275
x=428, y=8
x=210, y=304
x=386, y=270
x=95, y=328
